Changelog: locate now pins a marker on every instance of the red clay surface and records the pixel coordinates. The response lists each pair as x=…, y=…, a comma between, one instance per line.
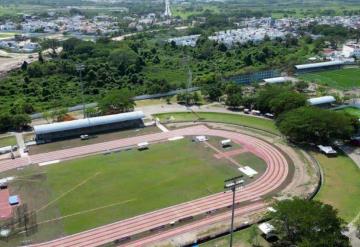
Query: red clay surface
x=5, y=208
x=274, y=176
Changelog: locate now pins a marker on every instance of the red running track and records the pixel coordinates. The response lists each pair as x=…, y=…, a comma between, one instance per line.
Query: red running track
x=273, y=178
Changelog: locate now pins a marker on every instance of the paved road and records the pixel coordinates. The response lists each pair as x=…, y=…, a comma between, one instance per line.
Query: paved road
x=272, y=179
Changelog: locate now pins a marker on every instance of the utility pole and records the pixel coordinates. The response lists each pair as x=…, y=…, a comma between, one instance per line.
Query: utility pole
x=80, y=68
x=232, y=184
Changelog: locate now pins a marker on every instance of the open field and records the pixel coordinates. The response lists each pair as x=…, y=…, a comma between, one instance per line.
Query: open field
x=7, y=141
x=77, y=142
x=244, y=120
x=351, y=110
x=126, y=187
x=341, y=79
x=341, y=187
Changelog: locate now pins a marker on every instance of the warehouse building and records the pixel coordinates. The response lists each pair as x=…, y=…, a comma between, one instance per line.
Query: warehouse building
x=59, y=131
x=314, y=67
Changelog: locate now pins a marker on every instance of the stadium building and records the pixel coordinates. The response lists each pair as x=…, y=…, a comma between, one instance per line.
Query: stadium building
x=59, y=131
x=314, y=67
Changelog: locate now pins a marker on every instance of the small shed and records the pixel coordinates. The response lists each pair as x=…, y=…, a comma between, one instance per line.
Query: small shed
x=3, y=183
x=14, y=200
x=225, y=143
x=328, y=150
x=201, y=138
x=143, y=145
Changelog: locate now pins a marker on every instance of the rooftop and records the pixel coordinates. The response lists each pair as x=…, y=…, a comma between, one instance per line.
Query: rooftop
x=318, y=65
x=88, y=122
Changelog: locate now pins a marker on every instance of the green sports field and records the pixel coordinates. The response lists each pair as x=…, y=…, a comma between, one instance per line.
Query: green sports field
x=341, y=187
x=243, y=120
x=341, y=79
x=100, y=189
x=351, y=110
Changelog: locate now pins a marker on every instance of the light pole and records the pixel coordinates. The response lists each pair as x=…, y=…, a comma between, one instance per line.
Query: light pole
x=232, y=184
x=80, y=68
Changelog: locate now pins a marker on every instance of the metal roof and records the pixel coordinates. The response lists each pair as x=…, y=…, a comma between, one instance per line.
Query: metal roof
x=321, y=100
x=277, y=79
x=319, y=65
x=87, y=122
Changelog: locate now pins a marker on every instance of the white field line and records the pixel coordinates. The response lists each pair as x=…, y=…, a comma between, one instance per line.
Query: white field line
x=49, y=162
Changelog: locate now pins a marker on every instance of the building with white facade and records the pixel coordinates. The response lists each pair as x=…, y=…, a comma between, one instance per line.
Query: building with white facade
x=351, y=50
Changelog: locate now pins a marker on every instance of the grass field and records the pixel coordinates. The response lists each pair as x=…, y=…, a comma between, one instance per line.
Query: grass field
x=341, y=79
x=351, y=110
x=7, y=141
x=244, y=120
x=119, y=186
x=341, y=187
x=243, y=238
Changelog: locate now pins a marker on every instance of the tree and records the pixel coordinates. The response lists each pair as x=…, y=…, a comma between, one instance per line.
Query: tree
x=124, y=59
x=41, y=59
x=234, y=100
x=196, y=98
x=286, y=101
x=300, y=222
x=117, y=101
x=24, y=66
x=314, y=125
x=266, y=95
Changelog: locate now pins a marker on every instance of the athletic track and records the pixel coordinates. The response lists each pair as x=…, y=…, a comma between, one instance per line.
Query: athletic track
x=274, y=176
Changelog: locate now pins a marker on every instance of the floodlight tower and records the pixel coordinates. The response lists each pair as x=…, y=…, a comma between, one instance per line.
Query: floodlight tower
x=80, y=68
x=232, y=184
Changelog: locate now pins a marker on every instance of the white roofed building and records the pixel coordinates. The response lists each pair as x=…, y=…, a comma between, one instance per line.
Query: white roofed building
x=321, y=101
x=310, y=67
x=58, y=131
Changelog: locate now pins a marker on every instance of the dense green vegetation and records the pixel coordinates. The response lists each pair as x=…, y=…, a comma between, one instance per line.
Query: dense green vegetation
x=314, y=125
x=307, y=223
x=165, y=177
x=138, y=65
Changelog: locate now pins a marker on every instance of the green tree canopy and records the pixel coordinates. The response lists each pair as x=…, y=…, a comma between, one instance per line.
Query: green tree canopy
x=117, y=101
x=286, y=101
x=308, y=223
x=314, y=125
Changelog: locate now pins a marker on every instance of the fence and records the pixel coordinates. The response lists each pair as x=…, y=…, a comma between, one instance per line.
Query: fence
x=254, y=77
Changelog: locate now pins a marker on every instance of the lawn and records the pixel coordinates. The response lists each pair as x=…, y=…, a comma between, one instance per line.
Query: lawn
x=245, y=238
x=119, y=186
x=341, y=187
x=7, y=141
x=342, y=79
x=244, y=120
x=351, y=110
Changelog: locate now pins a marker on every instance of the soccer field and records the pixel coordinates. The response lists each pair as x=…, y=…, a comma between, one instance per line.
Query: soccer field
x=341, y=79
x=351, y=110
x=100, y=189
